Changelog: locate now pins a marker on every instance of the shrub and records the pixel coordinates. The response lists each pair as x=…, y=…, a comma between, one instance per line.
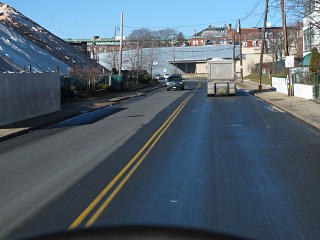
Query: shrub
x=103, y=86
x=314, y=60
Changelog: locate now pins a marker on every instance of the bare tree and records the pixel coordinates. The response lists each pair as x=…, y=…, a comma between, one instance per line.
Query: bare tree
x=148, y=38
x=305, y=8
x=274, y=40
x=164, y=36
x=143, y=35
x=149, y=59
x=108, y=59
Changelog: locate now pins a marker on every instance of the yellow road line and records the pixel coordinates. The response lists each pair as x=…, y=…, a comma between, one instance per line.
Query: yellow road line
x=85, y=213
x=126, y=178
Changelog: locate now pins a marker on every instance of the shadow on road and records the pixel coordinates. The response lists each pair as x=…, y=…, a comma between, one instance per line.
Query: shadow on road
x=87, y=118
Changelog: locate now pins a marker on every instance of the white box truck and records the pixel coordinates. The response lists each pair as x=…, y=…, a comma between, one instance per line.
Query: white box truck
x=221, y=77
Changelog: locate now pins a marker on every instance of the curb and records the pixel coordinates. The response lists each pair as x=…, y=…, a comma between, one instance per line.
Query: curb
x=155, y=88
x=296, y=115
x=25, y=131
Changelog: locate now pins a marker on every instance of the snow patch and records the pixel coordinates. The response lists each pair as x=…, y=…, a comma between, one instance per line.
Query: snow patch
x=22, y=52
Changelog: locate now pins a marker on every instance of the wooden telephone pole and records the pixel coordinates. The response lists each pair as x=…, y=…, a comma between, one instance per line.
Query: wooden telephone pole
x=234, y=50
x=262, y=45
x=285, y=39
x=173, y=56
x=241, y=67
x=114, y=50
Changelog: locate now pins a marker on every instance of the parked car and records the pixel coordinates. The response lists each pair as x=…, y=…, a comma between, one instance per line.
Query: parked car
x=166, y=75
x=177, y=75
x=175, y=82
x=159, y=77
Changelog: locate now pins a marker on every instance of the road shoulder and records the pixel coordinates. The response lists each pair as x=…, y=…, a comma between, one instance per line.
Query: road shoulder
x=303, y=109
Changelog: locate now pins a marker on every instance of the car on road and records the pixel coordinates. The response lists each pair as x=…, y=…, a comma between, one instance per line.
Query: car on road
x=175, y=82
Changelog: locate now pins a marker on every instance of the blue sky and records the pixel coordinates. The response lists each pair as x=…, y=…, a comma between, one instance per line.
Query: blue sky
x=84, y=19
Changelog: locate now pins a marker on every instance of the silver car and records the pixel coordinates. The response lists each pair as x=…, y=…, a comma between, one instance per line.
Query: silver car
x=175, y=82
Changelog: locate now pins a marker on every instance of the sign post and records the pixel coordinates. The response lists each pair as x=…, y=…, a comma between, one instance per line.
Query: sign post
x=289, y=63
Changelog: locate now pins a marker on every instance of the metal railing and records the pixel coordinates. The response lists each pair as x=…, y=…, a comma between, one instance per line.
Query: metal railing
x=308, y=78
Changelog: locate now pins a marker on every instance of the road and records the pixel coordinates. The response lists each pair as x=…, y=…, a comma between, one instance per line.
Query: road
x=178, y=158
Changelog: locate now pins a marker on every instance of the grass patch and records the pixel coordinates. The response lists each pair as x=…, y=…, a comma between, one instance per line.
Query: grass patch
x=254, y=77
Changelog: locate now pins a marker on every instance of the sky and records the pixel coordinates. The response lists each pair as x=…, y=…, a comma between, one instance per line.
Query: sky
x=84, y=19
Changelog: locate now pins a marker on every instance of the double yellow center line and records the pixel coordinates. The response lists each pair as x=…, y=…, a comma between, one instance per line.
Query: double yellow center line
x=143, y=152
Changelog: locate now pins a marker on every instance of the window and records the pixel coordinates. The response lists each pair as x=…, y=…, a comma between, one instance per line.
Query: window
x=308, y=36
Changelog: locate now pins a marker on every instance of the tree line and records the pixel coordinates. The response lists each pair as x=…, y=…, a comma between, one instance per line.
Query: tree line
x=147, y=38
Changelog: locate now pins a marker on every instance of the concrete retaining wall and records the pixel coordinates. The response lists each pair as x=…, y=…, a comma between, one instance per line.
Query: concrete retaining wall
x=303, y=91
x=280, y=84
x=27, y=95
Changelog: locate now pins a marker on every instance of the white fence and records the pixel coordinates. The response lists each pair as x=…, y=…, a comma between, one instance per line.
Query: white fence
x=303, y=91
x=299, y=90
x=280, y=84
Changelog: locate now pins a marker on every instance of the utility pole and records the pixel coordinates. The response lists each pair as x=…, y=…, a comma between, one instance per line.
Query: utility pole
x=234, y=50
x=240, y=41
x=173, y=56
x=138, y=56
x=151, y=61
x=285, y=39
x=89, y=79
x=121, y=43
x=114, y=51
x=262, y=45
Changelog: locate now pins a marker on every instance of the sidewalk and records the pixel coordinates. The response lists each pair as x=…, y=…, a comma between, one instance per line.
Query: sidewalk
x=68, y=110
x=306, y=110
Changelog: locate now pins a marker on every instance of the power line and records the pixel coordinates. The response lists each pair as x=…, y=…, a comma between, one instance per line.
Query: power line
x=252, y=11
x=181, y=26
x=260, y=20
x=248, y=15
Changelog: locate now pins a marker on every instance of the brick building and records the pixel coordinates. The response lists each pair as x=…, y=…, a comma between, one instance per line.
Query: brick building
x=212, y=36
x=251, y=37
x=97, y=45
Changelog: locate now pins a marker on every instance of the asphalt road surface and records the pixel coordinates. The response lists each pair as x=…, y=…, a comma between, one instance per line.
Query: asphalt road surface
x=177, y=158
